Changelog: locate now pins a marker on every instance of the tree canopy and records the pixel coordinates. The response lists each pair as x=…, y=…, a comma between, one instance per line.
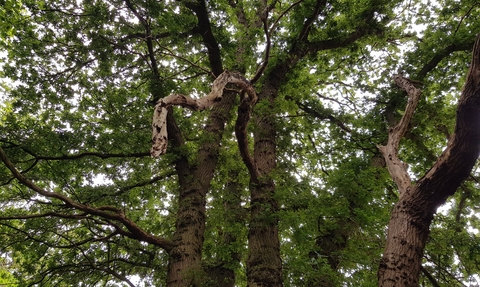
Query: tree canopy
x=279, y=178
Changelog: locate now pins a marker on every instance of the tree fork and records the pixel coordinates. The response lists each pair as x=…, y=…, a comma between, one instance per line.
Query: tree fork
x=410, y=220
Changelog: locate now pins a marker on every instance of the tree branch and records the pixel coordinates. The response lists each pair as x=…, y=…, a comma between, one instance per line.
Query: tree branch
x=307, y=26
x=397, y=168
x=110, y=213
x=457, y=160
x=160, y=134
x=205, y=30
x=262, y=68
x=440, y=55
x=430, y=277
x=323, y=116
x=274, y=26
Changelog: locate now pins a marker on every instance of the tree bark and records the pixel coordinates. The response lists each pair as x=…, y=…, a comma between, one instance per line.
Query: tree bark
x=410, y=220
x=264, y=265
x=185, y=265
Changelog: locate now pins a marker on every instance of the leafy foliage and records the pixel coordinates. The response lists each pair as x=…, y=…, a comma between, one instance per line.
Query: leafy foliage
x=80, y=78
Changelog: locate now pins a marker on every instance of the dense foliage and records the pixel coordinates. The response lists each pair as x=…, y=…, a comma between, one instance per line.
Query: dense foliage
x=79, y=83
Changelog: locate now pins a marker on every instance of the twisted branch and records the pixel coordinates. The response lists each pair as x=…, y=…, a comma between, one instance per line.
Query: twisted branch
x=159, y=123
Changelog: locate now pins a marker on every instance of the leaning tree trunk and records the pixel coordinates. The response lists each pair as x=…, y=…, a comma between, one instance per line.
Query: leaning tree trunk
x=410, y=220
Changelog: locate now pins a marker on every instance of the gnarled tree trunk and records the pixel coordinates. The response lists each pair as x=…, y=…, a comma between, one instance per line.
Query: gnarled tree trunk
x=411, y=217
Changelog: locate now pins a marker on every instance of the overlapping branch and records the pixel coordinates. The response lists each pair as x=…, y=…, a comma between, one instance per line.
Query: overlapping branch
x=127, y=228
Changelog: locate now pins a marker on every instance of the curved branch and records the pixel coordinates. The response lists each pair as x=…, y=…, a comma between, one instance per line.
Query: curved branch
x=109, y=213
x=244, y=114
x=457, y=160
x=465, y=16
x=262, y=68
x=319, y=6
x=274, y=26
x=159, y=123
x=430, y=65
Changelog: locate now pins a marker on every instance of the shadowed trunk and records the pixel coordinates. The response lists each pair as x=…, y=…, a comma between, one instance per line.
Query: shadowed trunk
x=264, y=266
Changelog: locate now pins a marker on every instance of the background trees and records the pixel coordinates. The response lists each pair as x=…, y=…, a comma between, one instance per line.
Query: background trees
x=305, y=202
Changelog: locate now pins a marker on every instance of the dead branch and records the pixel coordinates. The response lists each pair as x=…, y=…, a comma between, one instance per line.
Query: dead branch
x=159, y=123
x=397, y=168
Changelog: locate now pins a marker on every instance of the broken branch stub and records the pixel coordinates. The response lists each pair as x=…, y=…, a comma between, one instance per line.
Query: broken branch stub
x=159, y=123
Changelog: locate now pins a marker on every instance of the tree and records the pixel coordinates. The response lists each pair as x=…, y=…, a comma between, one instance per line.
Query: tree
x=268, y=174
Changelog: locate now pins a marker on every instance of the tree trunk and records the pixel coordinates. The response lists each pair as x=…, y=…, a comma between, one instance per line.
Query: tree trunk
x=407, y=234
x=410, y=220
x=264, y=266
x=185, y=268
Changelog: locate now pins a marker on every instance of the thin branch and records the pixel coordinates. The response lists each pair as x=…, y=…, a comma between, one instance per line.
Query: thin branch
x=91, y=154
x=134, y=231
x=309, y=21
x=274, y=26
x=262, y=68
x=170, y=53
x=47, y=214
x=320, y=116
x=429, y=276
x=465, y=16
x=116, y=275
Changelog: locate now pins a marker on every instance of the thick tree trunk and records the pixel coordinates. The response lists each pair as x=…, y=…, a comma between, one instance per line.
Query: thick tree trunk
x=264, y=265
x=407, y=234
x=185, y=268
x=185, y=258
x=410, y=220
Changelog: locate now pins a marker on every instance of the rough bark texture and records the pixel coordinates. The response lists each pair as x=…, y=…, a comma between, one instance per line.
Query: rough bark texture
x=185, y=268
x=411, y=217
x=264, y=266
